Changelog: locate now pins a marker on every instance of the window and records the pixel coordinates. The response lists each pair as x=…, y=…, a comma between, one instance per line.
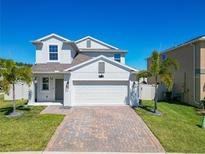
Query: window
x=164, y=57
x=101, y=67
x=45, y=83
x=88, y=44
x=53, y=52
x=117, y=57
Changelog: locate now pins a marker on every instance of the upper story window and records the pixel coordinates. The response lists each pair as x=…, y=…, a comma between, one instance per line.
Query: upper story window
x=45, y=83
x=164, y=57
x=88, y=43
x=117, y=57
x=53, y=52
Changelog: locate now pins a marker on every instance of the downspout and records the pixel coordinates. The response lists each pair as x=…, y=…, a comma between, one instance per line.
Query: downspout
x=194, y=73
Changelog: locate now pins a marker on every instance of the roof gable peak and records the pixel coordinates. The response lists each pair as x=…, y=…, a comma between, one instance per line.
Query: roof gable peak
x=51, y=35
x=95, y=40
x=102, y=57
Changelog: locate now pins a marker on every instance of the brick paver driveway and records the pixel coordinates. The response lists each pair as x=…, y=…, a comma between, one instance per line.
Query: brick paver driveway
x=103, y=129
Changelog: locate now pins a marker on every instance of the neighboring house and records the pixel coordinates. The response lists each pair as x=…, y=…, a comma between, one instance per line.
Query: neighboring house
x=189, y=80
x=85, y=72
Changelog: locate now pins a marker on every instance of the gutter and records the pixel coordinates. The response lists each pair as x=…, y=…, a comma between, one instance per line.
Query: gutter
x=194, y=74
x=51, y=72
x=103, y=50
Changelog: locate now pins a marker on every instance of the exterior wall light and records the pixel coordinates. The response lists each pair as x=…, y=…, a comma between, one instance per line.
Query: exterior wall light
x=35, y=80
x=67, y=85
x=101, y=76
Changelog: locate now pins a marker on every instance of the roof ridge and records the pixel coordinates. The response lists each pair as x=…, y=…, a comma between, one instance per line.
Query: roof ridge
x=185, y=43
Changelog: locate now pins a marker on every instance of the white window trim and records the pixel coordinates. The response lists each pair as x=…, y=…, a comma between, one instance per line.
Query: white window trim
x=48, y=83
x=48, y=52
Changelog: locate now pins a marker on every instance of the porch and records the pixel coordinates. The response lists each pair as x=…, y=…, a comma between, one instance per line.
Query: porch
x=47, y=89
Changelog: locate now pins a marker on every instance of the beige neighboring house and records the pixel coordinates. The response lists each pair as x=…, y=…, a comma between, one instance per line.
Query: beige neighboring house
x=189, y=80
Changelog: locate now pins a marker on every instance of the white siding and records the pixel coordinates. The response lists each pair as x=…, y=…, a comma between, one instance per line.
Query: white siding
x=90, y=72
x=94, y=45
x=101, y=93
x=65, y=51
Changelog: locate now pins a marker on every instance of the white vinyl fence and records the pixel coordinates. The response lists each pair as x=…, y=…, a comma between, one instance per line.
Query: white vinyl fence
x=21, y=92
x=147, y=91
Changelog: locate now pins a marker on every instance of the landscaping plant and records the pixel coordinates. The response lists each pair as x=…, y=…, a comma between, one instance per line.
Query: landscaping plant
x=161, y=69
x=10, y=74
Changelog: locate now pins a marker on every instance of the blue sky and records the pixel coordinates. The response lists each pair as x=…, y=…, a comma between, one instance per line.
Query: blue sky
x=138, y=26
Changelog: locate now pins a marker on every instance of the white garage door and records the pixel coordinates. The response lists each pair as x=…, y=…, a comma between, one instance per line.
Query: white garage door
x=100, y=92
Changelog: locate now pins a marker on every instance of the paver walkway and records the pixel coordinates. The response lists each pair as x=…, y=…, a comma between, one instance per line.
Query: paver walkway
x=102, y=129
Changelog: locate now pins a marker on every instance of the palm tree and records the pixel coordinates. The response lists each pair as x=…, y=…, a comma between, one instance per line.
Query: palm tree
x=161, y=69
x=10, y=74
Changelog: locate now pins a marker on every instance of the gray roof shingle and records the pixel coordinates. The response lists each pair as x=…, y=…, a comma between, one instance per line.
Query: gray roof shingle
x=57, y=67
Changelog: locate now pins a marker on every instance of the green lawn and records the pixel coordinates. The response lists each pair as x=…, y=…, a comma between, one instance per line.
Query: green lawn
x=178, y=128
x=29, y=132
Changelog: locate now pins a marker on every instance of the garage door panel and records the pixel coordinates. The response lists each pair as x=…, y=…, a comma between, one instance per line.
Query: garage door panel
x=104, y=93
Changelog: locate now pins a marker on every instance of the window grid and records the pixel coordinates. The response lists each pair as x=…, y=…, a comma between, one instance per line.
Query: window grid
x=53, y=52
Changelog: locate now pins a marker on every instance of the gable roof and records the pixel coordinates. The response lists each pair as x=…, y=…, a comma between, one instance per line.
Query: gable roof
x=95, y=40
x=51, y=35
x=57, y=67
x=98, y=58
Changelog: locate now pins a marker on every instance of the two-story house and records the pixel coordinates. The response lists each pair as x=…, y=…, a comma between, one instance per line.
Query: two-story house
x=189, y=80
x=83, y=72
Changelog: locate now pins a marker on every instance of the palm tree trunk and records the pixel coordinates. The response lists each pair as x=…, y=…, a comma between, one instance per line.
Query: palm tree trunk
x=156, y=96
x=14, y=99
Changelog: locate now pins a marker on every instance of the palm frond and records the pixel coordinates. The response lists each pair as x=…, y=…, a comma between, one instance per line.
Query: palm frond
x=12, y=73
x=167, y=80
x=143, y=74
x=170, y=63
x=155, y=63
x=24, y=74
x=163, y=69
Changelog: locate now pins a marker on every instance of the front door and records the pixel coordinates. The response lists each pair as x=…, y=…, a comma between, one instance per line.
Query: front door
x=59, y=89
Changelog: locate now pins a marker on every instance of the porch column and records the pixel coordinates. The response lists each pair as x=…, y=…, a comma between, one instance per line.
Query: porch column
x=66, y=90
x=133, y=91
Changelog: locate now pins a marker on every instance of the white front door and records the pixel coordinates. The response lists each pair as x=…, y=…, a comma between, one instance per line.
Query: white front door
x=100, y=92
